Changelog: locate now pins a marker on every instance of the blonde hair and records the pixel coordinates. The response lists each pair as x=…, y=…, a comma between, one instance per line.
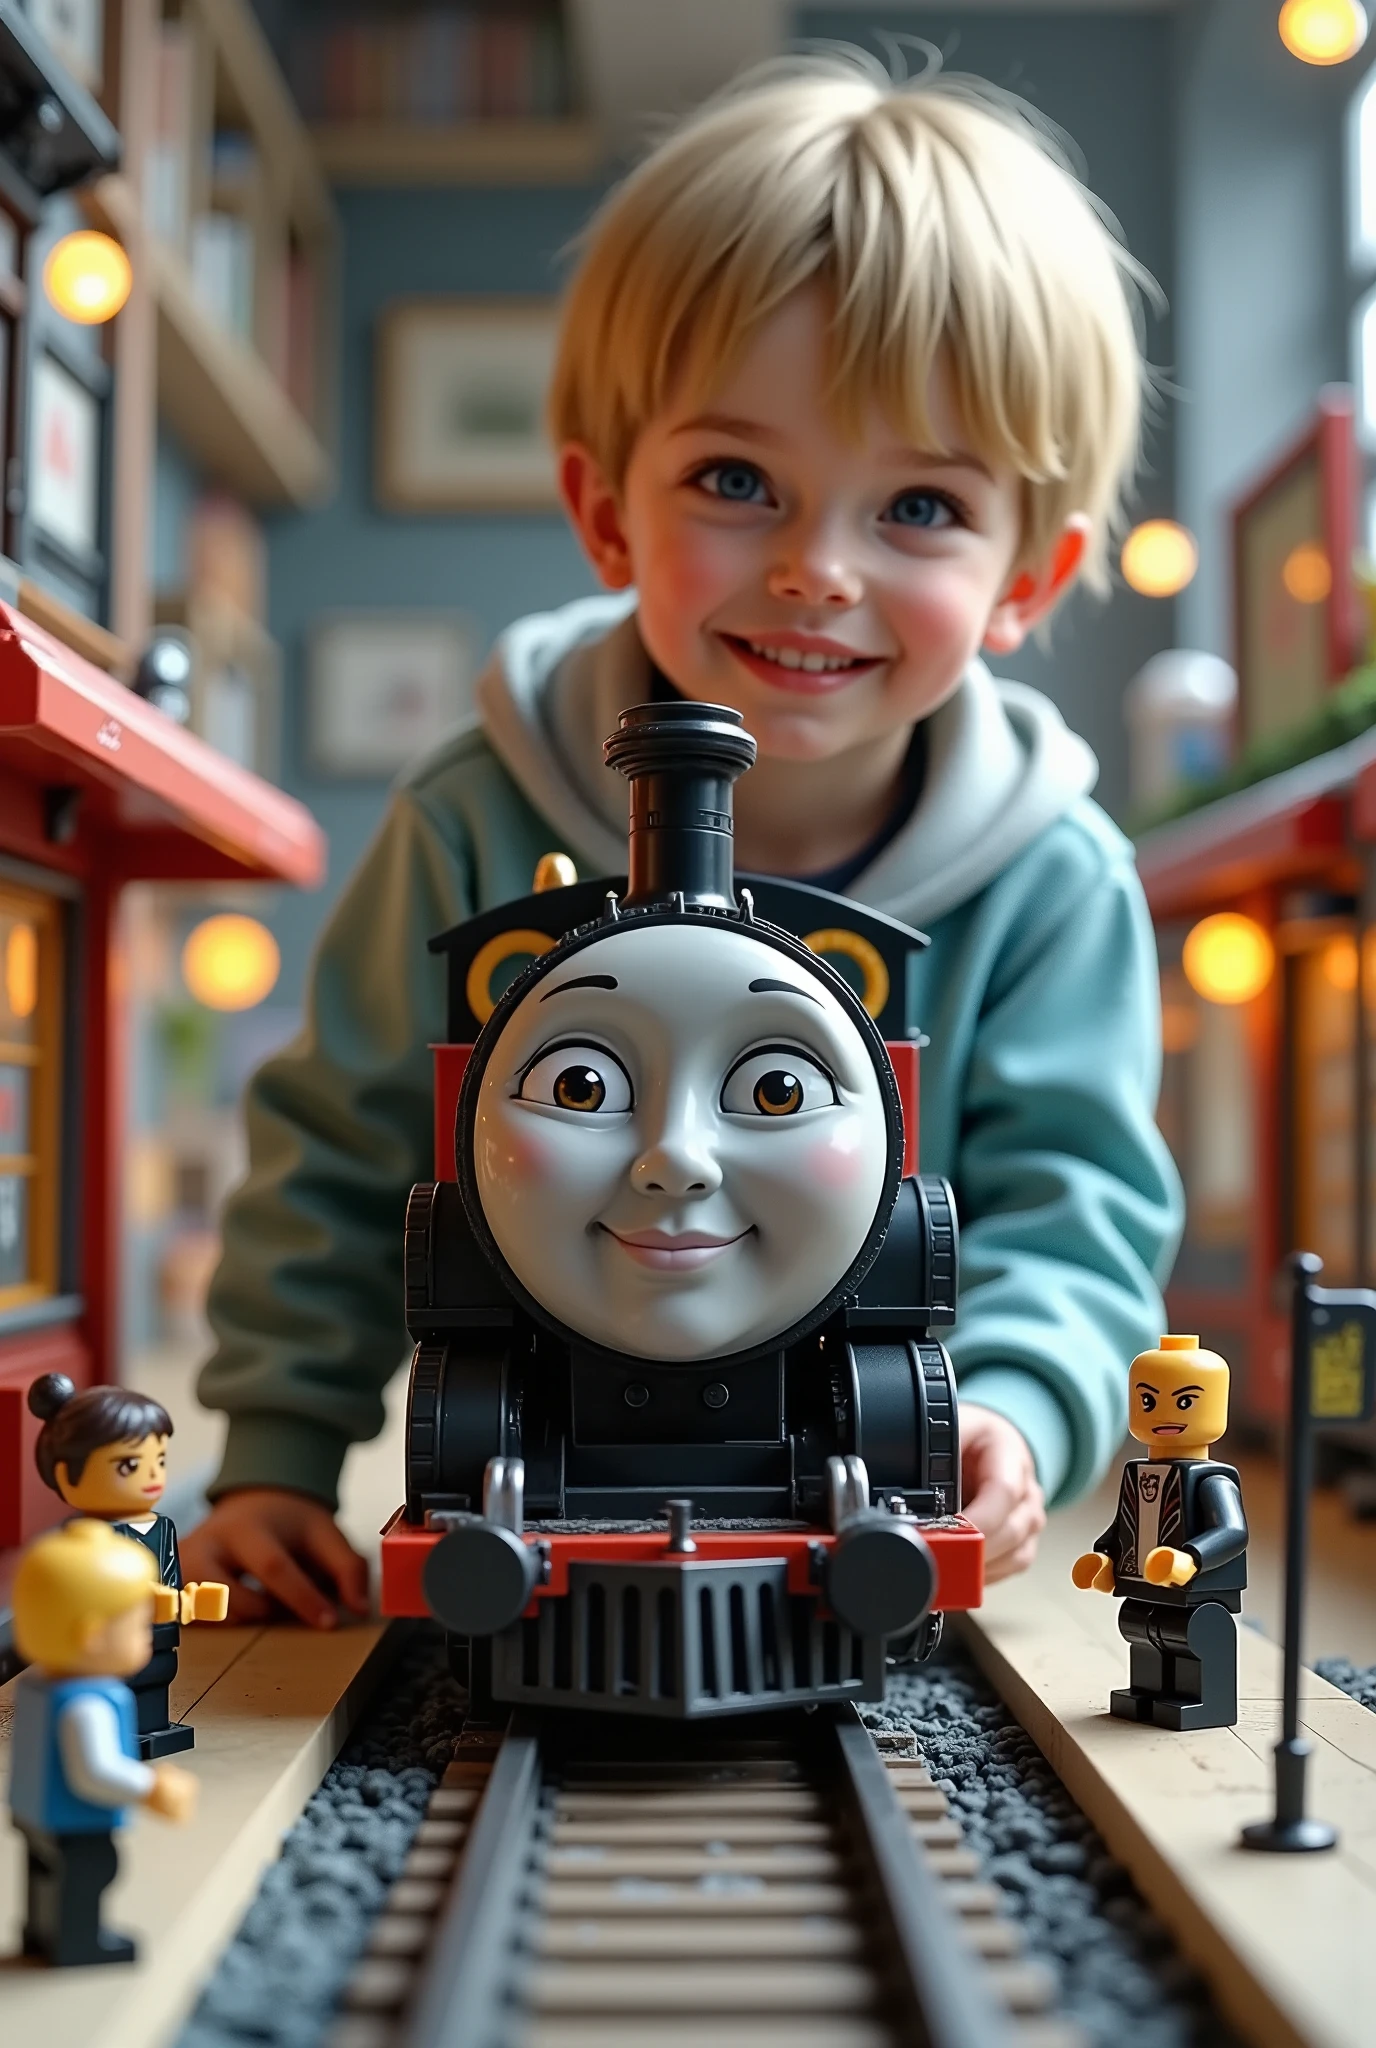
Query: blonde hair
x=940, y=220
x=83, y=1572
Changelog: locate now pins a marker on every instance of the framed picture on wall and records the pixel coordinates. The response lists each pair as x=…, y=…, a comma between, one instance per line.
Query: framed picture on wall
x=460, y=405
x=383, y=687
x=1295, y=608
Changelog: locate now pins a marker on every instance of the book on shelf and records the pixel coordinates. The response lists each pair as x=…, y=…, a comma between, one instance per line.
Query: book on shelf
x=167, y=162
x=222, y=270
x=432, y=64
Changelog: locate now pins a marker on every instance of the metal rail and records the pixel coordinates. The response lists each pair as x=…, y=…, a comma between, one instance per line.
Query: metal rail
x=756, y=1882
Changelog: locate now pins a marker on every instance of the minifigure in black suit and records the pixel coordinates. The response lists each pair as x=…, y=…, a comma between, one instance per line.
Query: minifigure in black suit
x=1176, y=1551
x=105, y=1452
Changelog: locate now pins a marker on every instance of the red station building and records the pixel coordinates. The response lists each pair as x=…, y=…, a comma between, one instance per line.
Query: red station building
x=97, y=789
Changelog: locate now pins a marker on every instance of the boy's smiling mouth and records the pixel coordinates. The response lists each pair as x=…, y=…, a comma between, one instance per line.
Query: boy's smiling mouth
x=799, y=661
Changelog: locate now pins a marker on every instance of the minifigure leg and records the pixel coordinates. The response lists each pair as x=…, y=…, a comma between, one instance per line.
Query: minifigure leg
x=1204, y=1694
x=159, y=1735
x=68, y=1875
x=1146, y=1664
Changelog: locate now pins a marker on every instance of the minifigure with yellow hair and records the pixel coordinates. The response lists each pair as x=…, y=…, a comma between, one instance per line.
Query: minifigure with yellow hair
x=83, y=1618
x=1176, y=1551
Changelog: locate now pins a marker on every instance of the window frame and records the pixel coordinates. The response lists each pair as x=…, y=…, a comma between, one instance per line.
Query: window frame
x=45, y=1163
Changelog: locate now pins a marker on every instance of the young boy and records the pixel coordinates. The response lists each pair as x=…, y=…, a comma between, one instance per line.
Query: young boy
x=848, y=389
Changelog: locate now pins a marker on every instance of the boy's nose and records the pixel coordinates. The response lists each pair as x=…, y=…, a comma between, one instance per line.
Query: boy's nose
x=817, y=575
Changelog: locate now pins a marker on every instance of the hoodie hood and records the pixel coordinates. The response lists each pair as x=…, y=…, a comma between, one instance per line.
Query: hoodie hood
x=1001, y=763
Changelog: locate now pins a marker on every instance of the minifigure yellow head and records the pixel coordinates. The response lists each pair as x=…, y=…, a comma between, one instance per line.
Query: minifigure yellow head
x=1178, y=1398
x=83, y=1602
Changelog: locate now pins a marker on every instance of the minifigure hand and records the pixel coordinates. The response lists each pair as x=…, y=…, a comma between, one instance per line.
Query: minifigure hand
x=206, y=1601
x=1167, y=1567
x=173, y=1793
x=167, y=1604
x=1093, y=1572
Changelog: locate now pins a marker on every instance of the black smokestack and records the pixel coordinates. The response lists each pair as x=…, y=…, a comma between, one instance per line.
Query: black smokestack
x=680, y=760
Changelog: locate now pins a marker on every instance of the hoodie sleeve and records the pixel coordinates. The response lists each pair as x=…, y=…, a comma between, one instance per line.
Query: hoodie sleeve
x=1070, y=1204
x=306, y=1304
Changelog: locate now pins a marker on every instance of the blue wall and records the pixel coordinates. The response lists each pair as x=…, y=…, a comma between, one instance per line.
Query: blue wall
x=1105, y=80
x=351, y=555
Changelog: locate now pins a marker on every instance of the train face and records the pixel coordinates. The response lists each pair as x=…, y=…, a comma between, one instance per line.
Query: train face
x=680, y=1440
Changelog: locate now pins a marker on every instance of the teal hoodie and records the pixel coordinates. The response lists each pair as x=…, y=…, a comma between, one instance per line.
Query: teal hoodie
x=1038, y=993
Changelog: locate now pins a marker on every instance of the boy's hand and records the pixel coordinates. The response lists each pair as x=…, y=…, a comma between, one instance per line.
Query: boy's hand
x=1000, y=1490
x=268, y=1534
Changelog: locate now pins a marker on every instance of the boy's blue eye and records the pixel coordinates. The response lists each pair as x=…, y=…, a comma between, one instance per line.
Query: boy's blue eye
x=739, y=483
x=921, y=508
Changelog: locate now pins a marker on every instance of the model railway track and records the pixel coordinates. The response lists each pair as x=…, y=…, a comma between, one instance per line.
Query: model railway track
x=773, y=1884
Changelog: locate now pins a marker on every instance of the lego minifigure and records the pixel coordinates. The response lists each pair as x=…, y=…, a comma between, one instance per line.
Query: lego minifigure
x=83, y=1617
x=105, y=1452
x=1176, y=1551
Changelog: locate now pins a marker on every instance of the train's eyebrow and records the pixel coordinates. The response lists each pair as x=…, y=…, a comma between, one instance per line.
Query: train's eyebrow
x=583, y=981
x=782, y=988
x=1146, y=1387
x=1192, y=1388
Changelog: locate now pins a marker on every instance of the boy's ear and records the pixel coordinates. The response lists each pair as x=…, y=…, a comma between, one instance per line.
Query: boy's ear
x=595, y=510
x=1033, y=592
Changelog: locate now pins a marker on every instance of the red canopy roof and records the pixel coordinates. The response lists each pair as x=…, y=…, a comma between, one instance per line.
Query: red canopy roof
x=156, y=802
x=1303, y=825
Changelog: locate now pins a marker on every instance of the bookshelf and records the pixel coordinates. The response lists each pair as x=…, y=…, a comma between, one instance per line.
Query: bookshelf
x=507, y=152
x=213, y=387
x=242, y=256
x=472, y=93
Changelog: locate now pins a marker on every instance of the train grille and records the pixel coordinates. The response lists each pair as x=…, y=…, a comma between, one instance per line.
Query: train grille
x=683, y=1641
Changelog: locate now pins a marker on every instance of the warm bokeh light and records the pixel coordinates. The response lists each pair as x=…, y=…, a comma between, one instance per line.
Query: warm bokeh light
x=1159, y=558
x=1322, y=31
x=1306, y=574
x=1228, y=958
x=21, y=970
x=230, y=962
x=87, y=277
x=1340, y=963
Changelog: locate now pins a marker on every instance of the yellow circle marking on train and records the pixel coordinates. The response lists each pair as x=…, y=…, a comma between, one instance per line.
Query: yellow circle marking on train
x=478, y=987
x=867, y=958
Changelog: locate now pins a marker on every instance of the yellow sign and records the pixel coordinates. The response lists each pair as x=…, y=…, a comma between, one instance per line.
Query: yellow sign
x=1339, y=1381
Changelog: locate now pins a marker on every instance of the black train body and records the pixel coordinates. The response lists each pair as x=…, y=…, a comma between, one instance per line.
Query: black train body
x=830, y=1450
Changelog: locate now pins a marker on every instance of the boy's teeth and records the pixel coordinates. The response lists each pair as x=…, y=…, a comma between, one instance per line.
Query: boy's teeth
x=790, y=657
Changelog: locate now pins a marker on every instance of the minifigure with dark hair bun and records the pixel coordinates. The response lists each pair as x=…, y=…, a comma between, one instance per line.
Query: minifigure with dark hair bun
x=104, y=1452
x=1176, y=1551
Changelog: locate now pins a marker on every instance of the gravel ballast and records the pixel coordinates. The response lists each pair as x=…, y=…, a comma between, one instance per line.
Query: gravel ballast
x=1122, y=1978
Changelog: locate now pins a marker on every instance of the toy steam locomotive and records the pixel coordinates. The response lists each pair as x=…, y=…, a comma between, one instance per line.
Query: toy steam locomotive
x=679, y=1439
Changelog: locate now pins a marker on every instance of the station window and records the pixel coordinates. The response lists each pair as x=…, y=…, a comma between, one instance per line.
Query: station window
x=30, y=1094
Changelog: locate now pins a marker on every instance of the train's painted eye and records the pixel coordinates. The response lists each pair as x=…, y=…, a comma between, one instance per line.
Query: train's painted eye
x=585, y=1080
x=777, y=1081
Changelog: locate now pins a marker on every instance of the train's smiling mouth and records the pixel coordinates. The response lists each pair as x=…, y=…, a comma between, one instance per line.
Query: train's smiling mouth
x=1168, y=1429
x=665, y=1251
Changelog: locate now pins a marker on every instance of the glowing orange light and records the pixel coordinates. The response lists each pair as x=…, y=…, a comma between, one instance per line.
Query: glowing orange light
x=230, y=962
x=1340, y=964
x=1228, y=958
x=1322, y=31
x=1306, y=574
x=87, y=277
x=21, y=970
x=1159, y=558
